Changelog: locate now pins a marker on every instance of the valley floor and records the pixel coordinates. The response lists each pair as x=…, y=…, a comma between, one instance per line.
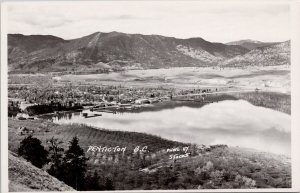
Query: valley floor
x=266, y=78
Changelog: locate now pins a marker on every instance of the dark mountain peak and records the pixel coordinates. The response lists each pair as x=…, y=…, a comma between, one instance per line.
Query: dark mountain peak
x=196, y=39
x=87, y=36
x=94, y=34
x=20, y=45
x=15, y=35
x=37, y=37
x=116, y=33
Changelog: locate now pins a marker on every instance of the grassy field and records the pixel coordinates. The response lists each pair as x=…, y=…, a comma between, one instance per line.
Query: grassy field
x=274, y=78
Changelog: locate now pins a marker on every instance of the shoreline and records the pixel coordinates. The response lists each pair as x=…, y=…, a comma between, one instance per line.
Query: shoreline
x=170, y=104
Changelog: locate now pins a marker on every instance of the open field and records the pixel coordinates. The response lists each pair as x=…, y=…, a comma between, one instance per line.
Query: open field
x=274, y=78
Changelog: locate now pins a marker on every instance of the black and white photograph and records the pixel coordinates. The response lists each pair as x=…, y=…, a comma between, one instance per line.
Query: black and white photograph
x=147, y=95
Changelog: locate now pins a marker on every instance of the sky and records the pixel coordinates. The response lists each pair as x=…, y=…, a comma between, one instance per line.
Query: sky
x=215, y=22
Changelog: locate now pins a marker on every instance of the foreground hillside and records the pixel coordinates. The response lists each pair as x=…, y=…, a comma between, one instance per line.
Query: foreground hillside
x=44, y=130
x=24, y=177
x=204, y=168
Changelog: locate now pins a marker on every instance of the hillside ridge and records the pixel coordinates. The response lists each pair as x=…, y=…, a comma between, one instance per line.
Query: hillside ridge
x=23, y=176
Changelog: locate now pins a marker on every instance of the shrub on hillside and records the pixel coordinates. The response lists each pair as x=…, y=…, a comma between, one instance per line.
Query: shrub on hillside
x=32, y=150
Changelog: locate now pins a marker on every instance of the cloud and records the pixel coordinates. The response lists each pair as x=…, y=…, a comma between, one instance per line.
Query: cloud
x=214, y=22
x=125, y=17
x=47, y=22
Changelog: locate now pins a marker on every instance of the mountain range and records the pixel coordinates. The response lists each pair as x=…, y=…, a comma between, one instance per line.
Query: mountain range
x=118, y=51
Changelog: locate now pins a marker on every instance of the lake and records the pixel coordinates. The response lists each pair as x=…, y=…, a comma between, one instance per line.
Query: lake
x=231, y=122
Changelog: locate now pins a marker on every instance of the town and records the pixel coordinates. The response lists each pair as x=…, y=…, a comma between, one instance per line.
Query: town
x=36, y=100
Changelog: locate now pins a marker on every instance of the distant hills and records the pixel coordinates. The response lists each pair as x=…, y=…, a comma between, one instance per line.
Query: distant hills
x=275, y=54
x=251, y=44
x=118, y=51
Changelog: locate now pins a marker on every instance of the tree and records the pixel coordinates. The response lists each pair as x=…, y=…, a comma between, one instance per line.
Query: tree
x=75, y=165
x=245, y=182
x=109, y=184
x=93, y=182
x=32, y=150
x=217, y=177
x=56, y=153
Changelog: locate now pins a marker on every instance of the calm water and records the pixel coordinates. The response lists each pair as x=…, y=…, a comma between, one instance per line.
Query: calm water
x=235, y=123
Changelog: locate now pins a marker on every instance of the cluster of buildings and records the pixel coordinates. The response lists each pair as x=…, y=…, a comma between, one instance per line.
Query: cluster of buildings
x=70, y=96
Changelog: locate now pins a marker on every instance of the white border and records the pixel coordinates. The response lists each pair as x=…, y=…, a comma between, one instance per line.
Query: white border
x=4, y=101
x=295, y=94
